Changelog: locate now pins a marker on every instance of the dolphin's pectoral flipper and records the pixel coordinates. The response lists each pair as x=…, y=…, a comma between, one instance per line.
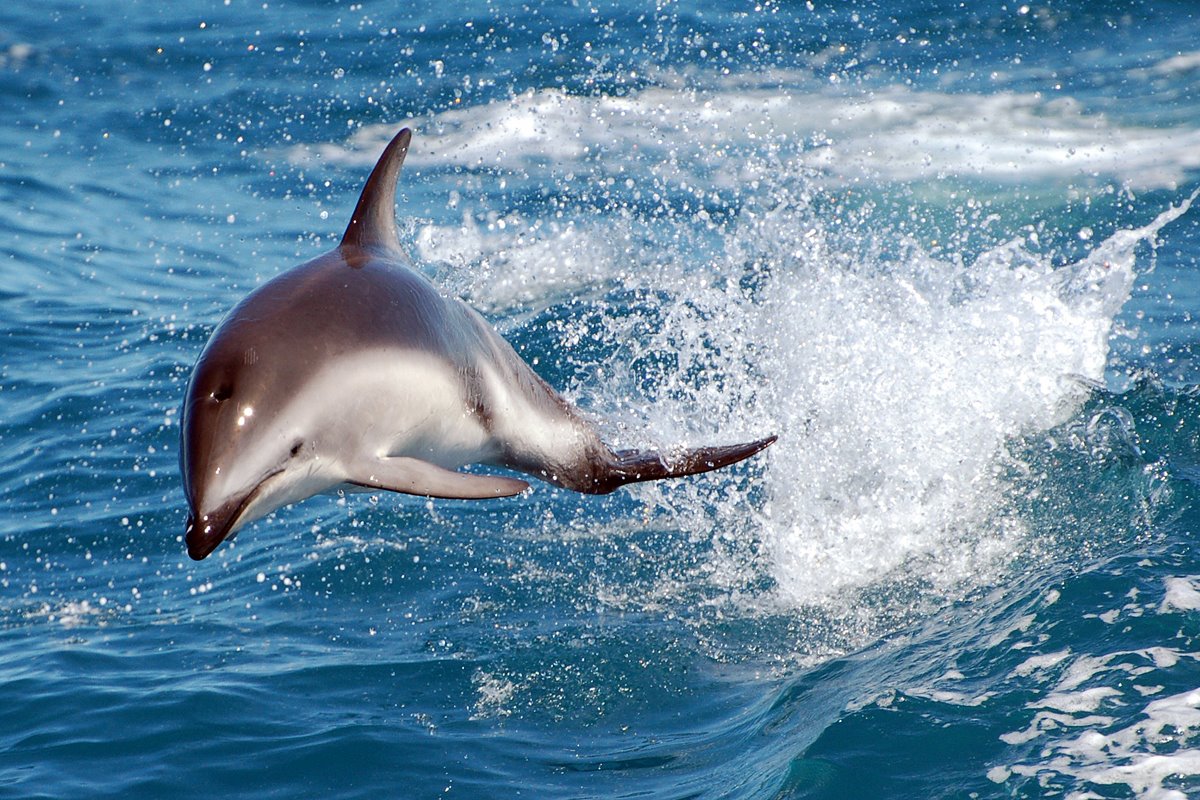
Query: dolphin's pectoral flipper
x=414, y=476
x=635, y=466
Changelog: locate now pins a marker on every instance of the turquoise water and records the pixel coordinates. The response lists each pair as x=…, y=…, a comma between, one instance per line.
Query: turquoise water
x=941, y=251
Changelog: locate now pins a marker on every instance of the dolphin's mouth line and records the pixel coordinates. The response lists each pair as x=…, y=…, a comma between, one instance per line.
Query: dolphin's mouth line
x=256, y=491
x=202, y=542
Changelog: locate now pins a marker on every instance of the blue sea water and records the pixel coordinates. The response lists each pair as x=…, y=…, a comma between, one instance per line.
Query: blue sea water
x=941, y=249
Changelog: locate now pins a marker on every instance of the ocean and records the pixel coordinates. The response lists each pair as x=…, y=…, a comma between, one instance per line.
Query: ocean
x=943, y=250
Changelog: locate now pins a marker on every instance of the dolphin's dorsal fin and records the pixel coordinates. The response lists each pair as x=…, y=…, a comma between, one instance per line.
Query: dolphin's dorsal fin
x=373, y=225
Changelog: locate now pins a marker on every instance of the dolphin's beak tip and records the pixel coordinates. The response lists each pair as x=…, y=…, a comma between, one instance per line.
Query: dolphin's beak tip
x=202, y=540
x=192, y=540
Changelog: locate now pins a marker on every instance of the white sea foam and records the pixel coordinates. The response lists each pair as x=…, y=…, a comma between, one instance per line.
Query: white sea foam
x=894, y=133
x=1162, y=745
x=1039, y=663
x=1181, y=594
x=938, y=691
x=1150, y=748
x=74, y=613
x=1176, y=64
x=494, y=693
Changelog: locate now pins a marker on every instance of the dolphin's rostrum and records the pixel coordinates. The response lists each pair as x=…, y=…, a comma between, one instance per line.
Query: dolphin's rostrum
x=353, y=371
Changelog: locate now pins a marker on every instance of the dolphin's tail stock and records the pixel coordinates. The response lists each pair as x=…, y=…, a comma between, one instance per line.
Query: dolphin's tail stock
x=635, y=466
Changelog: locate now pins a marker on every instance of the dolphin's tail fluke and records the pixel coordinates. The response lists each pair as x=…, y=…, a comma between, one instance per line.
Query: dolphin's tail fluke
x=635, y=466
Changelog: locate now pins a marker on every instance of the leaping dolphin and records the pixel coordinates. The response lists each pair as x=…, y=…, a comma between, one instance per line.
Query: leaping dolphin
x=353, y=371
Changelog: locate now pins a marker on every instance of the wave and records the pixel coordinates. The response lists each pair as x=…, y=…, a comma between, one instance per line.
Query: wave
x=896, y=133
x=896, y=377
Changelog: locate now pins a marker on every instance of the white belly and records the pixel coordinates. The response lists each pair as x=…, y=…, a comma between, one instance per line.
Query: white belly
x=399, y=404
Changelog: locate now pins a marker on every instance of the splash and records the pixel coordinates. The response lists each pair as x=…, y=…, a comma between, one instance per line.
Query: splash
x=895, y=380
x=894, y=377
x=899, y=387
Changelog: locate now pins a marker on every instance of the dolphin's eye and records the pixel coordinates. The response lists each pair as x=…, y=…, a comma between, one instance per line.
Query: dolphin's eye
x=223, y=393
x=296, y=448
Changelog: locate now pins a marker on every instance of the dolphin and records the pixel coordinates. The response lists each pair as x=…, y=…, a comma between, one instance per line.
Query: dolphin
x=352, y=371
